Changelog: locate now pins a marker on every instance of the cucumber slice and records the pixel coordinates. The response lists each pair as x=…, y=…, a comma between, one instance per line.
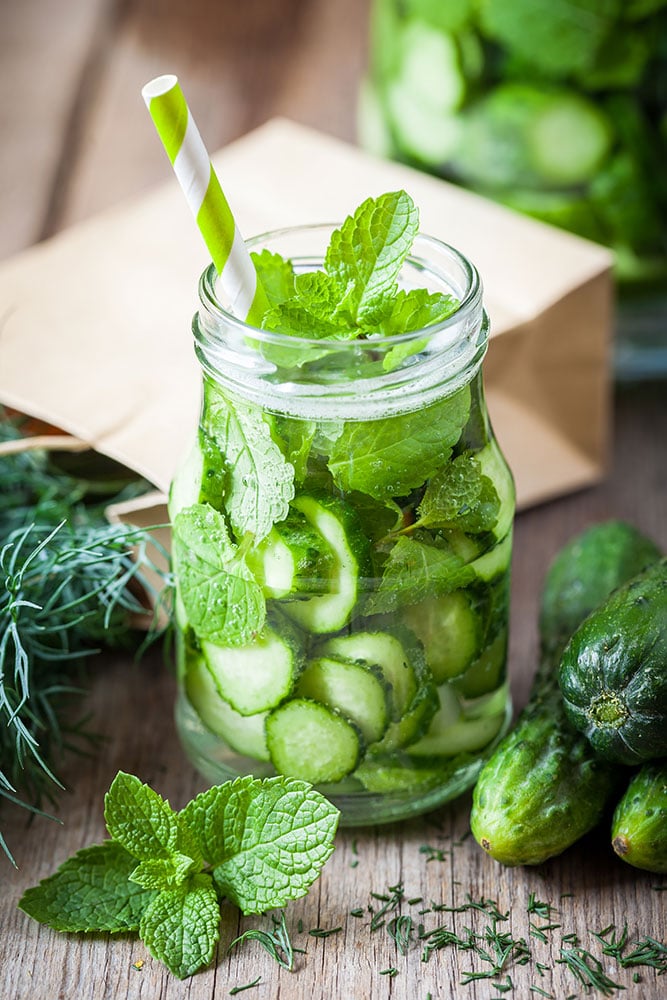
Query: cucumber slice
x=337, y=524
x=488, y=670
x=307, y=740
x=243, y=733
x=402, y=663
x=359, y=692
x=450, y=631
x=422, y=132
x=494, y=466
x=258, y=676
x=385, y=651
x=495, y=562
x=185, y=487
x=429, y=67
x=293, y=558
x=199, y=479
x=450, y=734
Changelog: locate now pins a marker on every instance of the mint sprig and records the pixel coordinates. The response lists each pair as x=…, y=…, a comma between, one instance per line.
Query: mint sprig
x=260, y=843
x=356, y=295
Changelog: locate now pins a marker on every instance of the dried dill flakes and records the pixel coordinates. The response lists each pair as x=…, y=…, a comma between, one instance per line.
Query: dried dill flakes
x=389, y=972
x=434, y=853
x=646, y=952
x=357, y=912
x=588, y=970
x=541, y=992
x=246, y=986
x=391, y=902
x=400, y=930
x=540, y=909
x=321, y=932
x=539, y=932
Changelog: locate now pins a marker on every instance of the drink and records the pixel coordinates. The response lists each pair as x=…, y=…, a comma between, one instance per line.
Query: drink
x=342, y=543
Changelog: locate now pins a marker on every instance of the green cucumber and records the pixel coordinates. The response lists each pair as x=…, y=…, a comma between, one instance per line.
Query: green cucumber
x=243, y=733
x=613, y=673
x=338, y=526
x=543, y=787
x=310, y=741
x=488, y=670
x=258, y=676
x=359, y=692
x=639, y=826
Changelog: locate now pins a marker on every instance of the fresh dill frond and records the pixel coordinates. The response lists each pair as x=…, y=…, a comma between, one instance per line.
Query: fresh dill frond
x=70, y=584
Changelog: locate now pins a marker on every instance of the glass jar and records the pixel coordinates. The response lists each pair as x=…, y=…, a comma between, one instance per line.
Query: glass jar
x=342, y=533
x=557, y=111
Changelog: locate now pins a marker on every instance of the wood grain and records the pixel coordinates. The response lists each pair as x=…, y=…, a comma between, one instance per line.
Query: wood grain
x=71, y=74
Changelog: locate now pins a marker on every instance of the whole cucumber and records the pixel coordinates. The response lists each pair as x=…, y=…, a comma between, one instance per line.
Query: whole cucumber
x=613, y=673
x=543, y=787
x=639, y=826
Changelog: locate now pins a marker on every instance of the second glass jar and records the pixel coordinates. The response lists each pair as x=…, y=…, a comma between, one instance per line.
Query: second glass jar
x=342, y=533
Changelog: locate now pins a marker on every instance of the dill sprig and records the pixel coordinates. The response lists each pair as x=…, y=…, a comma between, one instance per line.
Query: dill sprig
x=70, y=584
x=588, y=969
x=276, y=942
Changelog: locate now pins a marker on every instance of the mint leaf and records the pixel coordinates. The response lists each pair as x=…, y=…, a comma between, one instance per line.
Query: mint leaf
x=460, y=497
x=91, y=891
x=366, y=254
x=275, y=274
x=223, y=601
x=259, y=482
x=416, y=570
x=294, y=438
x=165, y=873
x=266, y=840
x=181, y=927
x=412, y=311
x=139, y=819
x=389, y=458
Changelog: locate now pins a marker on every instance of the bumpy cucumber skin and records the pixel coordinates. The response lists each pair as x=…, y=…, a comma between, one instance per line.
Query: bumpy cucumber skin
x=585, y=572
x=543, y=788
x=613, y=673
x=639, y=826
x=540, y=791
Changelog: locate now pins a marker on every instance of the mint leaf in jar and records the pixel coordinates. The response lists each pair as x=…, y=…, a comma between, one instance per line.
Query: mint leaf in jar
x=389, y=458
x=460, y=497
x=222, y=599
x=259, y=482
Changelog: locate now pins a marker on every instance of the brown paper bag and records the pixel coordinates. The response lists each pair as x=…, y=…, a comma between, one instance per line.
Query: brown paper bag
x=95, y=333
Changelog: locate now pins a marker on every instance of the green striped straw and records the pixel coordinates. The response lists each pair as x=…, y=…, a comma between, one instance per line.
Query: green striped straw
x=193, y=168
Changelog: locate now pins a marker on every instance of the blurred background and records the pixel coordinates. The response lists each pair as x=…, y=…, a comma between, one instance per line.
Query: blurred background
x=557, y=108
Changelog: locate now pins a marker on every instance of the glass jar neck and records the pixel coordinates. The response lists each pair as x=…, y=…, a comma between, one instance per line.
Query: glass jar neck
x=370, y=376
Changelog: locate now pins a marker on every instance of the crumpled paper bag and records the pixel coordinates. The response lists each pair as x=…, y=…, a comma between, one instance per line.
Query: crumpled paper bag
x=95, y=323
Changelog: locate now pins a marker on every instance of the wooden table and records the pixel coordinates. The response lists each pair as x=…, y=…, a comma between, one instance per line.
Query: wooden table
x=71, y=74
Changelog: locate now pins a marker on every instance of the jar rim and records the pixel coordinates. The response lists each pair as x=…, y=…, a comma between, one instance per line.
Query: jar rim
x=468, y=303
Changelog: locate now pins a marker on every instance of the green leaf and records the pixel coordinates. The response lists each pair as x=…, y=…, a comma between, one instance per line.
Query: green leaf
x=460, y=497
x=165, y=873
x=410, y=311
x=259, y=483
x=294, y=438
x=266, y=840
x=415, y=571
x=181, y=926
x=139, y=819
x=276, y=275
x=223, y=601
x=91, y=891
x=366, y=254
x=388, y=458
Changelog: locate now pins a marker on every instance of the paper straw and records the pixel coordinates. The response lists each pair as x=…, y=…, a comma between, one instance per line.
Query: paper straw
x=193, y=168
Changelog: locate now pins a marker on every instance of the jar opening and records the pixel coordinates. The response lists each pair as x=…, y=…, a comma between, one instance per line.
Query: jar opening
x=291, y=373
